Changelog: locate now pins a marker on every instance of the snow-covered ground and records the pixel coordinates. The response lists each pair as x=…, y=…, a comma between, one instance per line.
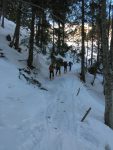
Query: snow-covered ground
x=35, y=119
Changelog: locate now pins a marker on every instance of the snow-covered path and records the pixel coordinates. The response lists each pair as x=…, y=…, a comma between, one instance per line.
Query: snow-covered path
x=32, y=119
x=58, y=125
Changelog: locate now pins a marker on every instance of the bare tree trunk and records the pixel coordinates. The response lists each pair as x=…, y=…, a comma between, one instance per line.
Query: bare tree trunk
x=38, y=31
x=98, y=51
x=92, y=38
x=15, y=40
x=0, y=9
x=63, y=34
x=87, y=54
x=111, y=44
x=42, y=30
x=83, y=46
x=3, y=12
x=17, y=29
x=53, y=50
x=92, y=52
x=31, y=40
x=87, y=47
x=58, y=46
x=109, y=21
x=100, y=31
x=107, y=74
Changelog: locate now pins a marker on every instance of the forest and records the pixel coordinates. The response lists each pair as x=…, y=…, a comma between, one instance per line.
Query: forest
x=83, y=28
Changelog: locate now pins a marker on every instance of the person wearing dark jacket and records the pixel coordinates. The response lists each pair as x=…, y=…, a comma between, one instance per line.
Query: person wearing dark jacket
x=58, y=68
x=51, y=71
x=70, y=65
x=65, y=66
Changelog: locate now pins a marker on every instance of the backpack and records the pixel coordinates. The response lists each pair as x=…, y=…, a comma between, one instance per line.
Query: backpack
x=51, y=67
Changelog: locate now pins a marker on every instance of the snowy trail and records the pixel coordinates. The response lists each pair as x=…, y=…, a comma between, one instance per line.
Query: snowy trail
x=43, y=120
x=62, y=105
x=64, y=112
x=61, y=112
x=58, y=119
x=63, y=121
x=32, y=119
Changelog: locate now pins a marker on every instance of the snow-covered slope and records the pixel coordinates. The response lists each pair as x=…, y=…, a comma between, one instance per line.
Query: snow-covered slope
x=35, y=119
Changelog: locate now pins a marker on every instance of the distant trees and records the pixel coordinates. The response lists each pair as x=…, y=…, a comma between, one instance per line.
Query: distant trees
x=21, y=12
x=59, y=10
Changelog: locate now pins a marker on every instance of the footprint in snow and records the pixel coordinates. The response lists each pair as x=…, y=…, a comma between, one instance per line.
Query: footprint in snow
x=62, y=102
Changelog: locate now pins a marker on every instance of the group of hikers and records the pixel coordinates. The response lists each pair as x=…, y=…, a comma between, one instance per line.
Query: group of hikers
x=57, y=66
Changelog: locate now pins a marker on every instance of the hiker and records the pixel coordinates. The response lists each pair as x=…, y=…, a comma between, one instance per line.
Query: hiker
x=70, y=65
x=58, y=68
x=65, y=66
x=51, y=71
